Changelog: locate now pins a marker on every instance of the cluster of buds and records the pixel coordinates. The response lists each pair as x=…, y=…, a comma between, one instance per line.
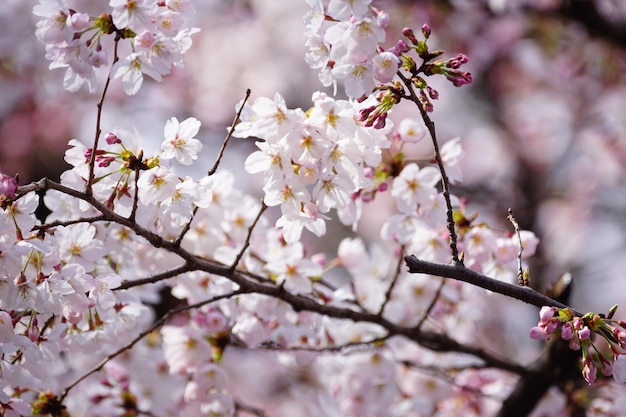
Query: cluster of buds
x=578, y=331
x=450, y=69
x=125, y=163
x=391, y=94
x=376, y=116
x=129, y=161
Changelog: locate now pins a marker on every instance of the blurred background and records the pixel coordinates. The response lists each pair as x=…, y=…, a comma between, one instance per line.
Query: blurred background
x=543, y=125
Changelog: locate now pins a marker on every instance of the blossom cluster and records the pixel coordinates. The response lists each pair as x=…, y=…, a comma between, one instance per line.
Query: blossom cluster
x=344, y=41
x=325, y=149
x=155, y=32
x=579, y=331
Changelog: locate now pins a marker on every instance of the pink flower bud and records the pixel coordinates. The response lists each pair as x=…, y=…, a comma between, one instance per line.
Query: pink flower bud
x=8, y=186
x=539, y=333
x=401, y=46
x=367, y=197
x=77, y=21
x=408, y=32
x=105, y=161
x=380, y=121
x=112, y=139
x=584, y=333
x=589, y=372
x=553, y=325
x=566, y=331
x=33, y=333
x=546, y=313
x=426, y=31
x=434, y=94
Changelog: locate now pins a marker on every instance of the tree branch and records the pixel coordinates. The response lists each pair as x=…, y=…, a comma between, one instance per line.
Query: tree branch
x=461, y=273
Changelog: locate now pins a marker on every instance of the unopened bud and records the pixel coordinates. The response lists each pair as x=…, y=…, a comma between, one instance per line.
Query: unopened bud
x=8, y=187
x=408, y=32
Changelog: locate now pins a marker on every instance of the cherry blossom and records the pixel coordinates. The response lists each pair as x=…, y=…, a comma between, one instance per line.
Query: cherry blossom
x=131, y=70
x=180, y=142
x=132, y=13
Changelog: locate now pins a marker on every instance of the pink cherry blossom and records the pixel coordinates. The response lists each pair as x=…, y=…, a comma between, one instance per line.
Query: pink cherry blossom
x=133, y=14
x=415, y=187
x=131, y=70
x=77, y=244
x=180, y=141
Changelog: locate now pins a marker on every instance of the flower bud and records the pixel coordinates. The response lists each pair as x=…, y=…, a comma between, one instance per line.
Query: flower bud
x=8, y=187
x=401, y=46
x=112, y=139
x=77, y=21
x=408, y=32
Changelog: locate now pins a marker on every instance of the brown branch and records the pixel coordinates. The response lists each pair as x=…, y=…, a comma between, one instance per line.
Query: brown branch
x=461, y=273
x=126, y=284
x=57, y=223
x=445, y=181
x=393, y=282
x=430, y=340
x=432, y=304
x=248, y=236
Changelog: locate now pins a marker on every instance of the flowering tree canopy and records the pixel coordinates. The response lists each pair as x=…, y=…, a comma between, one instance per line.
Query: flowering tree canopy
x=368, y=264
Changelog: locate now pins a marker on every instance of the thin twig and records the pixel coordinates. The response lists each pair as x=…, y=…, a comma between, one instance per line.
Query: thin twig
x=393, y=281
x=187, y=227
x=521, y=280
x=154, y=278
x=133, y=212
x=445, y=181
x=461, y=273
x=430, y=307
x=58, y=223
x=247, y=241
x=343, y=349
x=229, y=135
x=92, y=160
